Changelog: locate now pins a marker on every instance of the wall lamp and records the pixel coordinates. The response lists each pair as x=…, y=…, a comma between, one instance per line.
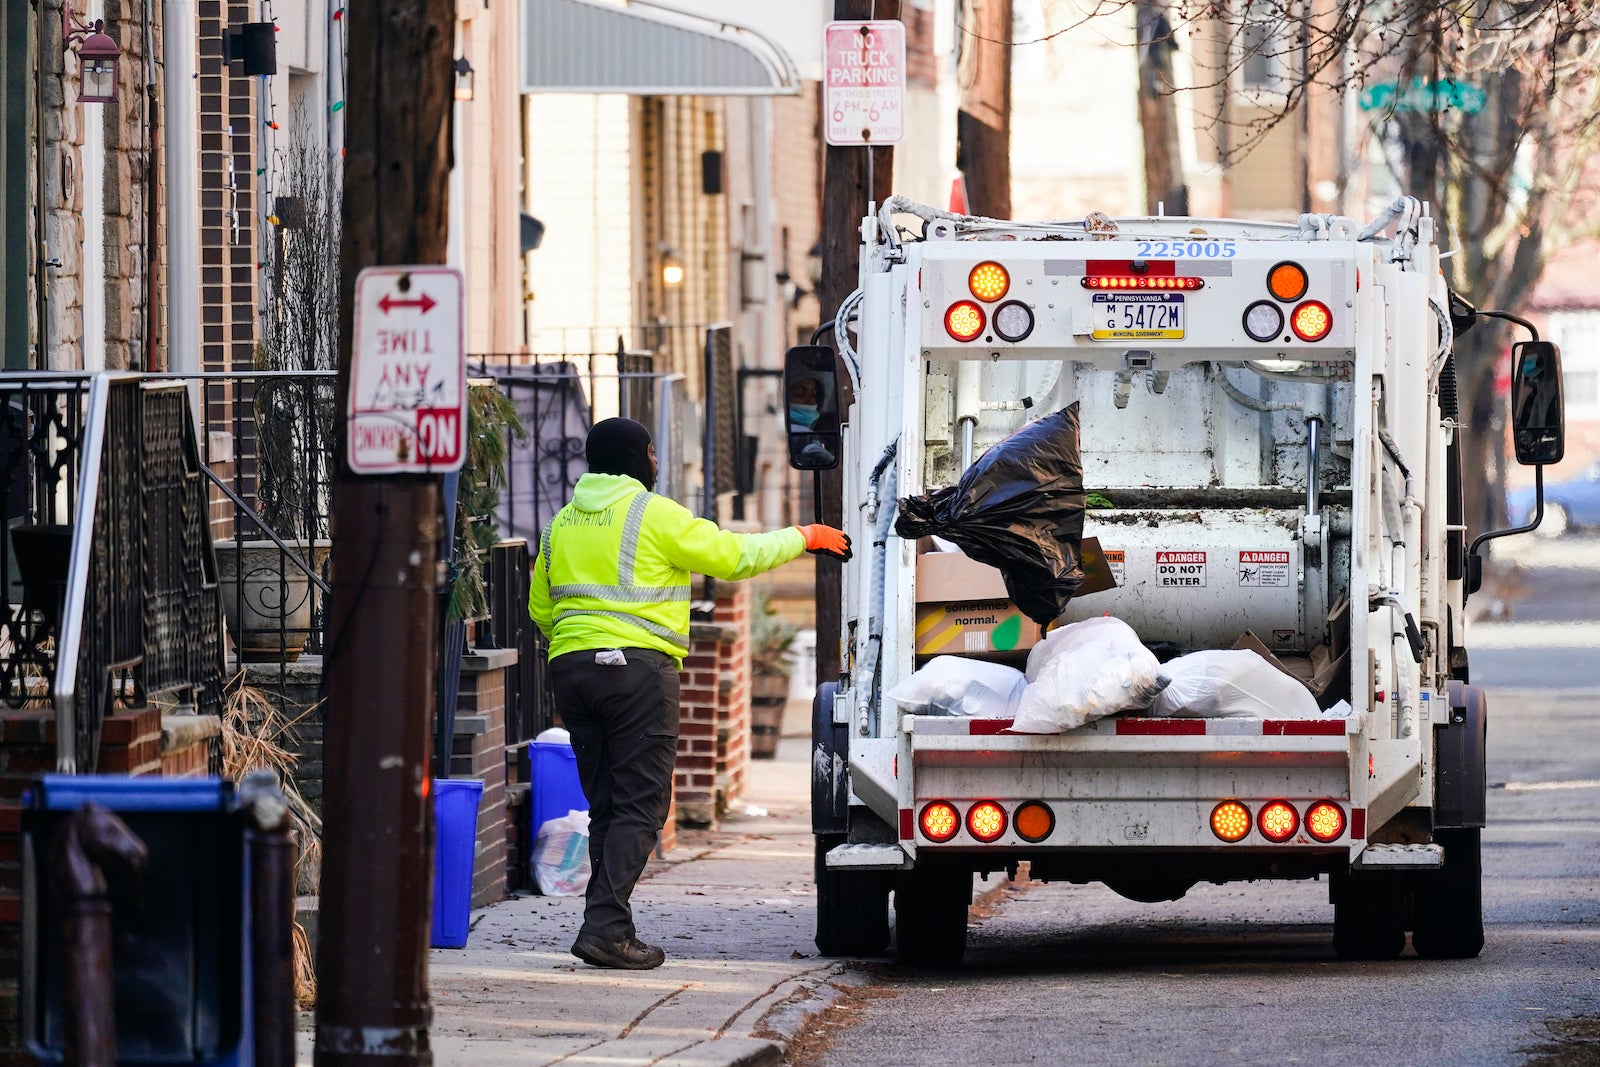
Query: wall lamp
x=671, y=269
x=97, y=55
x=464, y=78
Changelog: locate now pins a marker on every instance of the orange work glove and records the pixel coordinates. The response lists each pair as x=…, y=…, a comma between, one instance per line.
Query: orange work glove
x=826, y=541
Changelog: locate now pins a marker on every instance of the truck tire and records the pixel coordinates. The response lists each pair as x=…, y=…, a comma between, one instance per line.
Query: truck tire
x=1368, y=915
x=1449, y=901
x=852, y=906
x=930, y=914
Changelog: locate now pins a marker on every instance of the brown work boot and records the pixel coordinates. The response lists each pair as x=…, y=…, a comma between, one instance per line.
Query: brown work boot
x=629, y=954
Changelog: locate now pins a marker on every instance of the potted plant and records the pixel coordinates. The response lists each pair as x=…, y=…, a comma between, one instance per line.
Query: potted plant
x=268, y=599
x=472, y=498
x=770, y=641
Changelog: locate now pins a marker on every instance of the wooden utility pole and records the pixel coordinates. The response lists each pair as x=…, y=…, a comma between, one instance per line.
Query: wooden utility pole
x=372, y=976
x=1164, y=187
x=983, y=125
x=846, y=189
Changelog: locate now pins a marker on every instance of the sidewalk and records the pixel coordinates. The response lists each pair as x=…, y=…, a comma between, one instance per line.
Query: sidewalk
x=734, y=909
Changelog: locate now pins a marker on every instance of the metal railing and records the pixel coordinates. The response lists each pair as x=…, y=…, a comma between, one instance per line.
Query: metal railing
x=140, y=597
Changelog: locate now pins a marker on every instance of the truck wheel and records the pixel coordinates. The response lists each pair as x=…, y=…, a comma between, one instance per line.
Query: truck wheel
x=852, y=906
x=1449, y=901
x=930, y=913
x=1368, y=915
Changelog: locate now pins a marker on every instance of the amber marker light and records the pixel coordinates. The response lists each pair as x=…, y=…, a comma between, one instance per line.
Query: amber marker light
x=1230, y=820
x=1034, y=821
x=986, y=821
x=1325, y=821
x=964, y=320
x=1311, y=321
x=1278, y=821
x=989, y=281
x=1287, y=281
x=940, y=821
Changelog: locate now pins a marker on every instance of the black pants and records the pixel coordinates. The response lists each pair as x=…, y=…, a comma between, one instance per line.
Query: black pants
x=624, y=726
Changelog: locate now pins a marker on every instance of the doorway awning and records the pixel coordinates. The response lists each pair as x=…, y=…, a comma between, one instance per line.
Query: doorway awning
x=647, y=49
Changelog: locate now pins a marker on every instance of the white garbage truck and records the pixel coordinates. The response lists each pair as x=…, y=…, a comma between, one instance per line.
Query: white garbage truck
x=1269, y=433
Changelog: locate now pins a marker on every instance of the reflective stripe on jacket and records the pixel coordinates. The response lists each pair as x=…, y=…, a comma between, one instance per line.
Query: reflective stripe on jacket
x=613, y=567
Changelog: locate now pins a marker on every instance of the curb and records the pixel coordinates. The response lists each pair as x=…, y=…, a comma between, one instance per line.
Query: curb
x=727, y=1052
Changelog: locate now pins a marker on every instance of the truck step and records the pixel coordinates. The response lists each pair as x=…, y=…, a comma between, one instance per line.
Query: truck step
x=869, y=857
x=1412, y=857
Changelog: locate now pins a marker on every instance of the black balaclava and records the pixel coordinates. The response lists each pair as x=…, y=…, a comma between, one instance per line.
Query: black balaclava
x=620, y=446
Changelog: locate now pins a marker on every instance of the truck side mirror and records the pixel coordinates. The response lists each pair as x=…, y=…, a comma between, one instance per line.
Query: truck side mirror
x=1537, y=426
x=811, y=407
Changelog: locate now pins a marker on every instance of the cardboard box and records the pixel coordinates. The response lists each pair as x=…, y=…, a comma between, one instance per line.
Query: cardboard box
x=963, y=608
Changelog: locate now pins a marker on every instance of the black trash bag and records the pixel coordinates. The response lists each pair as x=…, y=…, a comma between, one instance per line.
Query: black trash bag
x=1019, y=508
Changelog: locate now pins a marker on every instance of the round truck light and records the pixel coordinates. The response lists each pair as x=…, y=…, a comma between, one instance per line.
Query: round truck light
x=986, y=821
x=1287, y=281
x=964, y=320
x=940, y=821
x=1325, y=821
x=1278, y=821
x=989, y=281
x=1230, y=820
x=1013, y=321
x=1263, y=321
x=1311, y=321
x=1034, y=821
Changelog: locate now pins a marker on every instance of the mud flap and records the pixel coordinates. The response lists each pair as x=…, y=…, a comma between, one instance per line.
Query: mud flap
x=830, y=766
x=1460, y=754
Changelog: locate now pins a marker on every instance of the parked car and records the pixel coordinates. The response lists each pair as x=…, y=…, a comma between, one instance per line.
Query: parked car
x=1570, y=505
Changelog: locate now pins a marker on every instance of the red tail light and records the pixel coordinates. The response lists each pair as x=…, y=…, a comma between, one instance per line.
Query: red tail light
x=1141, y=281
x=986, y=821
x=1325, y=821
x=1311, y=321
x=964, y=320
x=940, y=821
x=1278, y=821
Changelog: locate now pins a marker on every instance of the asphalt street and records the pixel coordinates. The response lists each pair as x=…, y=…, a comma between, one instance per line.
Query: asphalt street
x=1246, y=973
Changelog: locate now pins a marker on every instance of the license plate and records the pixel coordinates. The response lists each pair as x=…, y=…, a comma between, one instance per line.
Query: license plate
x=1138, y=317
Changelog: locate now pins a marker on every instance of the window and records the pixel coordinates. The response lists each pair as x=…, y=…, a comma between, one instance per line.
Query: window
x=1266, y=43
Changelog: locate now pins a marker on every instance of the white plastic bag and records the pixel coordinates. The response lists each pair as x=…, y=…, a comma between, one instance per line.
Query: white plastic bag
x=1086, y=671
x=951, y=685
x=561, y=855
x=1232, y=683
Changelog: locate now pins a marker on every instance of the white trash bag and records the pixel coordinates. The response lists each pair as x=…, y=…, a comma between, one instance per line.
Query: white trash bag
x=561, y=855
x=1232, y=683
x=1085, y=671
x=951, y=685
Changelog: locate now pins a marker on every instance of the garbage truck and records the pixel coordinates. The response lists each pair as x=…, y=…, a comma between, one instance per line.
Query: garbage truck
x=1270, y=453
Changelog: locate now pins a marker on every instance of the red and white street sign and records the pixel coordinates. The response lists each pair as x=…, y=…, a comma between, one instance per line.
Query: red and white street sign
x=407, y=406
x=864, y=82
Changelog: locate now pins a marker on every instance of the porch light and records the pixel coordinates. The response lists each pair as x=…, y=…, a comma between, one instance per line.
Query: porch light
x=464, y=78
x=671, y=269
x=97, y=55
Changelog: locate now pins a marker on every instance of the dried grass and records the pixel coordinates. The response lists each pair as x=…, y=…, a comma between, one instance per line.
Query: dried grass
x=254, y=734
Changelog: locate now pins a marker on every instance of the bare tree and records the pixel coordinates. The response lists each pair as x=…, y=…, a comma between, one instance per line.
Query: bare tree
x=300, y=333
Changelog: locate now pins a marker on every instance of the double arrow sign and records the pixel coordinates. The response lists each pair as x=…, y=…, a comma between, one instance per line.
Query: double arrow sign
x=424, y=303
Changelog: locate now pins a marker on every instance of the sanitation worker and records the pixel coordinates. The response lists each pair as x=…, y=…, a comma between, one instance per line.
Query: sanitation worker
x=610, y=589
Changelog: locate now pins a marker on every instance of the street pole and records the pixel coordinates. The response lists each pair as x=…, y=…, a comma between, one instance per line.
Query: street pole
x=372, y=977
x=846, y=189
x=983, y=125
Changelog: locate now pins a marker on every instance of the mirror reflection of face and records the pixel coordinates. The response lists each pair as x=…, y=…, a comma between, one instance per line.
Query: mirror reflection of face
x=803, y=391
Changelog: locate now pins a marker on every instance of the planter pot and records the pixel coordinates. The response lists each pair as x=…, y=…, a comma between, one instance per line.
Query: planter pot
x=768, y=695
x=266, y=598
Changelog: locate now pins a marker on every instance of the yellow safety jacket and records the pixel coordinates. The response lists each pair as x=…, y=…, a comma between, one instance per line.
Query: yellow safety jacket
x=613, y=567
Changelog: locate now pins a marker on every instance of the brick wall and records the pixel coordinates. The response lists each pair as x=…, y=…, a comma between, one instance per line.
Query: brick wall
x=227, y=196
x=479, y=751
x=714, y=723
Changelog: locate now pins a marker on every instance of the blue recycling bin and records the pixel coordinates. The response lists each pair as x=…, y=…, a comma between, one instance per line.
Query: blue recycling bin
x=455, y=847
x=180, y=928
